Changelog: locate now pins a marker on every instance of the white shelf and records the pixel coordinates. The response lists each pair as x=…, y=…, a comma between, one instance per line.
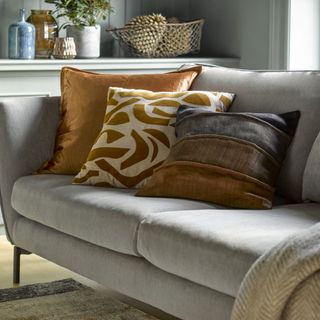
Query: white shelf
x=112, y=64
x=25, y=78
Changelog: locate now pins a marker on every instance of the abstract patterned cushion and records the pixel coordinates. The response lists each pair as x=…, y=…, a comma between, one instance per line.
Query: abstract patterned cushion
x=231, y=159
x=83, y=105
x=137, y=134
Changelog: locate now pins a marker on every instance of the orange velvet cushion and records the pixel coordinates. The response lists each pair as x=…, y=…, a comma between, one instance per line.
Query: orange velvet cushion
x=83, y=105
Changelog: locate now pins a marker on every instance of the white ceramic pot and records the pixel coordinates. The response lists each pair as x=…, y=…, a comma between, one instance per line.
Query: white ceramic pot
x=87, y=41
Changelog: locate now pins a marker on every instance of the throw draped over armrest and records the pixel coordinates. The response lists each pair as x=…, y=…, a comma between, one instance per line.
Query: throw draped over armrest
x=284, y=283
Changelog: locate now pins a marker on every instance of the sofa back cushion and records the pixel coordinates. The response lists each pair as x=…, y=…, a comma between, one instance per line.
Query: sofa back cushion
x=275, y=92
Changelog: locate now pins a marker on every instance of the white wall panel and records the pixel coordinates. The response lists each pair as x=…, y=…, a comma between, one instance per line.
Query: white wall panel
x=304, y=48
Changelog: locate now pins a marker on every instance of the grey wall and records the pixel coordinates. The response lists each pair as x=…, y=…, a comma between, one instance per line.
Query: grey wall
x=9, y=12
x=123, y=11
x=173, y=8
x=233, y=28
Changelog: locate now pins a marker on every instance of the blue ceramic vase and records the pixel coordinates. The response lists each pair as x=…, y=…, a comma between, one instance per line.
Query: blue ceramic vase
x=22, y=39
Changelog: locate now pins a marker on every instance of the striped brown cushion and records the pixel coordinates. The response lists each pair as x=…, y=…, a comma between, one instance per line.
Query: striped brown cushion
x=231, y=159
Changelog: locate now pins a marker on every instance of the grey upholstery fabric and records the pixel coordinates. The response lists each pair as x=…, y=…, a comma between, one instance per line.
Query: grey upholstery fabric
x=129, y=275
x=275, y=92
x=27, y=134
x=108, y=217
x=311, y=178
x=216, y=248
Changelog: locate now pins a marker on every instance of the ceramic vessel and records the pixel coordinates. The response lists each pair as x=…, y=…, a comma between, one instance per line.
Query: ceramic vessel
x=87, y=40
x=64, y=48
x=46, y=32
x=21, y=39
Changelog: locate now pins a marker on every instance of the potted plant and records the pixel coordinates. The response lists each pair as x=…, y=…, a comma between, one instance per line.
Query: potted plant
x=82, y=25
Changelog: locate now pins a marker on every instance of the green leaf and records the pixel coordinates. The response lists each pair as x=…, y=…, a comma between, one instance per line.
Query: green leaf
x=82, y=12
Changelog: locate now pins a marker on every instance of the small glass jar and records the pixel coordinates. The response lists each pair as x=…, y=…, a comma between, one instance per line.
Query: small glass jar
x=46, y=32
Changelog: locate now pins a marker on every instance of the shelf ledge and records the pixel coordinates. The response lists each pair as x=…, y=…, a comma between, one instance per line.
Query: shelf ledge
x=113, y=64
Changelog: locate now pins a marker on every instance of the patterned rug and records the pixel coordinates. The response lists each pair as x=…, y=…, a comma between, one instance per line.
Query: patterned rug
x=63, y=300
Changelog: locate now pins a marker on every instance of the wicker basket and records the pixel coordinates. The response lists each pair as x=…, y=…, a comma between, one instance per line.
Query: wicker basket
x=159, y=41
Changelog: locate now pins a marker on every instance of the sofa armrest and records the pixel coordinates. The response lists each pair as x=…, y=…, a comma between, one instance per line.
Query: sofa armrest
x=284, y=283
x=27, y=135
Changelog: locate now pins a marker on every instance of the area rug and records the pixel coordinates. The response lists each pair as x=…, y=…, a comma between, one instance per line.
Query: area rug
x=63, y=300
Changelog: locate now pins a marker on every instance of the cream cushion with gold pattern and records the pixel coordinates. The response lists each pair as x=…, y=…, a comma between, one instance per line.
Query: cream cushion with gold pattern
x=138, y=131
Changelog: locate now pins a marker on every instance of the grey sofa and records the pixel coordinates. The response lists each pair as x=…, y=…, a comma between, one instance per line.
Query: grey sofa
x=185, y=257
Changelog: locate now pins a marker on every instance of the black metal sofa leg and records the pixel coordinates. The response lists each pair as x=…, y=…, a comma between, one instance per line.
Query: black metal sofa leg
x=17, y=252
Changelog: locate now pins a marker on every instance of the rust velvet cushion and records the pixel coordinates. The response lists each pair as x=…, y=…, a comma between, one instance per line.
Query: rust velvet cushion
x=231, y=159
x=83, y=106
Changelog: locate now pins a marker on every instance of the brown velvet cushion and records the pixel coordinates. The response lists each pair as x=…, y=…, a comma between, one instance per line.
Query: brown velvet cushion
x=231, y=159
x=83, y=105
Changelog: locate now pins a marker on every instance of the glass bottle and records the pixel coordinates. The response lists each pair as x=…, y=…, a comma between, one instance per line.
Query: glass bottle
x=21, y=36
x=46, y=32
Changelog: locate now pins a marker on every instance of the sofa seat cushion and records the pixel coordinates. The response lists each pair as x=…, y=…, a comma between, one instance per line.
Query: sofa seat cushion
x=216, y=248
x=106, y=217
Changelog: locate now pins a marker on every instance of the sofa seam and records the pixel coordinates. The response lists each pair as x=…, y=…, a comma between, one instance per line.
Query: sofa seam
x=137, y=237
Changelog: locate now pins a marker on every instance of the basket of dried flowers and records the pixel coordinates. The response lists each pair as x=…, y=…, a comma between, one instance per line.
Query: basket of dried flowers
x=154, y=36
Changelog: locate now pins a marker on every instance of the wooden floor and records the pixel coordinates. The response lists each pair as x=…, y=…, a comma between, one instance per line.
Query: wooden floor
x=35, y=269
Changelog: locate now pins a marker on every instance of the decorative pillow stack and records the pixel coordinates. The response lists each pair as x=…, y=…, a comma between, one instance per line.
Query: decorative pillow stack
x=169, y=142
x=138, y=132
x=83, y=105
x=231, y=159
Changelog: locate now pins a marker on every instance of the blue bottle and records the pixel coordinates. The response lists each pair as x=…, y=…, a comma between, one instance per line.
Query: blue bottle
x=22, y=39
